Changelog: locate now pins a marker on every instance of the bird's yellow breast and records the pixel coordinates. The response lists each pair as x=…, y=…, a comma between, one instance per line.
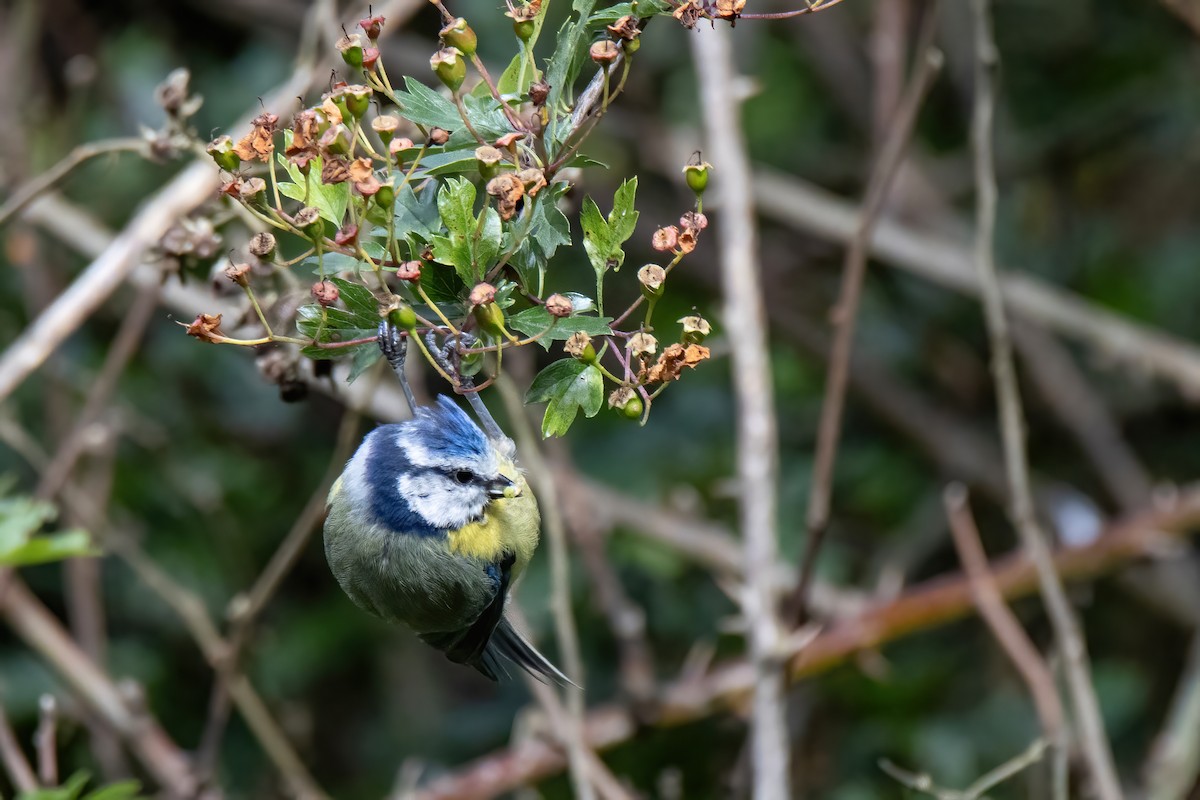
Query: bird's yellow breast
x=509, y=525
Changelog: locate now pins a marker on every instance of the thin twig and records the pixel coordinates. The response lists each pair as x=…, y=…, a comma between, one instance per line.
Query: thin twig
x=1090, y=725
x=1007, y=630
x=920, y=782
x=757, y=446
x=33, y=623
x=845, y=314
x=15, y=763
x=45, y=740
x=1141, y=349
x=1174, y=764
x=47, y=180
x=560, y=584
x=928, y=605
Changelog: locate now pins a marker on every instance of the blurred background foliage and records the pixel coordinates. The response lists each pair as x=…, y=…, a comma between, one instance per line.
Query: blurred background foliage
x=1099, y=157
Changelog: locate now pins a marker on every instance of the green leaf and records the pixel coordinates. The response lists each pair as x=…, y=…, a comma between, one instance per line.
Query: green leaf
x=642, y=9
x=623, y=219
x=450, y=162
x=417, y=213
x=21, y=518
x=358, y=320
x=426, y=107
x=456, y=204
x=597, y=238
x=570, y=51
x=123, y=790
x=331, y=200
x=533, y=321
x=566, y=386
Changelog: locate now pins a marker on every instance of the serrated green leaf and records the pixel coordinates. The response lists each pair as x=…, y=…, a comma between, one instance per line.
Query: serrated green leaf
x=570, y=51
x=487, y=242
x=623, y=219
x=597, y=238
x=566, y=386
x=21, y=518
x=641, y=9
x=455, y=251
x=358, y=301
x=581, y=161
x=424, y=106
x=417, y=212
x=450, y=162
x=456, y=204
x=328, y=325
x=364, y=356
x=533, y=321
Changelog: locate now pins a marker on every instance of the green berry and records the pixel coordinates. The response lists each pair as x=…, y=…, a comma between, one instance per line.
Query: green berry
x=403, y=317
x=450, y=67
x=459, y=34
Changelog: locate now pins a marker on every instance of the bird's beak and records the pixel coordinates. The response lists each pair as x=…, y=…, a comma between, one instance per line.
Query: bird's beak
x=502, y=486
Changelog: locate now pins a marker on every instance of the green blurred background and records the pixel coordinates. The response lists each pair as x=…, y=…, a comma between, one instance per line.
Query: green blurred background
x=1098, y=163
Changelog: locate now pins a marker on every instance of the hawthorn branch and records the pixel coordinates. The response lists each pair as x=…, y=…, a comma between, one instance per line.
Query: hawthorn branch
x=1090, y=724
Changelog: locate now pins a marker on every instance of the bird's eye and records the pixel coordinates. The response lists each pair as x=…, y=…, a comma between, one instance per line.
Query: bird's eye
x=464, y=476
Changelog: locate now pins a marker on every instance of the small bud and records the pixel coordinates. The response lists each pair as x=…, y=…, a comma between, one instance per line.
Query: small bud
x=336, y=140
x=351, y=48
x=239, y=274
x=625, y=28
x=221, y=150
x=386, y=196
x=409, y=271
x=308, y=219
x=604, y=52
x=385, y=126
x=534, y=180
x=693, y=221
x=524, y=29
x=489, y=159
x=482, y=294
x=687, y=241
x=402, y=316
x=695, y=329
x=489, y=315
x=450, y=67
x=652, y=277
x=696, y=176
x=438, y=136
x=346, y=235
x=559, y=306
x=538, y=93
x=262, y=246
x=625, y=400
x=524, y=16
x=206, y=327
x=665, y=239
x=251, y=189
x=579, y=345
x=643, y=344
x=325, y=292
x=358, y=100
x=370, y=58
x=372, y=26
x=508, y=189
x=459, y=34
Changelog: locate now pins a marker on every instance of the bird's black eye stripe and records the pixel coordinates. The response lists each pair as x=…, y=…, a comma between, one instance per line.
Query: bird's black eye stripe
x=464, y=476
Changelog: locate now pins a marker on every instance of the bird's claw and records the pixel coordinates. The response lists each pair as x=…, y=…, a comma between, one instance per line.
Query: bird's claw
x=393, y=346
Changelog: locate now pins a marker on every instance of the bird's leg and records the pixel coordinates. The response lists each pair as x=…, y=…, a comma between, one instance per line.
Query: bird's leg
x=395, y=349
x=466, y=386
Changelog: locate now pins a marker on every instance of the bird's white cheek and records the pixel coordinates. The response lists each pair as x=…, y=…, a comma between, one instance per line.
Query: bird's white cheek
x=439, y=502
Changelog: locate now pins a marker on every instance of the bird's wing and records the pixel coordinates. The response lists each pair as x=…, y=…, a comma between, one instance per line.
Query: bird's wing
x=468, y=646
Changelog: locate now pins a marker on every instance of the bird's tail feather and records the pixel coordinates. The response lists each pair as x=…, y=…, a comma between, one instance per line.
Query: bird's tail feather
x=507, y=644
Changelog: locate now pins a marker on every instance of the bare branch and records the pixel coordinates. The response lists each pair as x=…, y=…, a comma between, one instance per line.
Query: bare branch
x=925, y=606
x=757, y=448
x=845, y=314
x=1007, y=629
x=1090, y=724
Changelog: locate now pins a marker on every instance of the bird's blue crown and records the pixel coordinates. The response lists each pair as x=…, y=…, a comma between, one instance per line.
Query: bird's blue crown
x=445, y=431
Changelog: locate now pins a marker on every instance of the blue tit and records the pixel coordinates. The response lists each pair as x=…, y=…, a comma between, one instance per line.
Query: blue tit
x=430, y=525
